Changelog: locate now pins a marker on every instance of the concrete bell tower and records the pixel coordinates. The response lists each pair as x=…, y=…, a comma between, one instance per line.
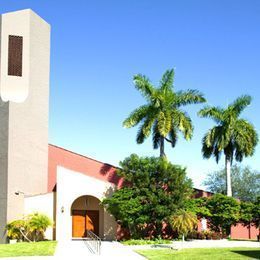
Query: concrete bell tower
x=24, y=111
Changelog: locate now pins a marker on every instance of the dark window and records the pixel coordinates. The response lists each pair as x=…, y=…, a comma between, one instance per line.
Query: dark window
x=15, y=55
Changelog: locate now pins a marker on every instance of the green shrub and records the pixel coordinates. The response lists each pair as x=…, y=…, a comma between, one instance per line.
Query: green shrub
x=30, y=228
x=14, y=229
x=38, y=223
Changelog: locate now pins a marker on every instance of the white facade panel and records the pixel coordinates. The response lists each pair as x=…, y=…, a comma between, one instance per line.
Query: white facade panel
x=72, y=185
x=14, y=88
x=43, y=203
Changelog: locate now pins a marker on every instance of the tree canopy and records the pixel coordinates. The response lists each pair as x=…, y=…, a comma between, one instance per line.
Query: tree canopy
x=220, y=210
x=154, y=189
x=245, y=182
x=162, y=115
x=224, y=212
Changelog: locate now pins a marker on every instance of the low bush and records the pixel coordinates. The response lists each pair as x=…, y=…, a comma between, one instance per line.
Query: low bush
x=31, y=228
x=14, y=229
x=204, y=235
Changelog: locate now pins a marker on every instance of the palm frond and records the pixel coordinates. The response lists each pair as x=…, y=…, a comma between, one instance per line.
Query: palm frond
x=146, y=127
x=156, y=136
x=164, y=123
x=166, y=82
x=215, y=113
x=191, y=96
x=183, y=122
x=211, y=143
x=136, y=116
x=140, y=137
x=184, y=222
x=142, y=83
x=207, y=150
x=245, y=139
x=173, y=136
x=240, y=104
x=217, y=154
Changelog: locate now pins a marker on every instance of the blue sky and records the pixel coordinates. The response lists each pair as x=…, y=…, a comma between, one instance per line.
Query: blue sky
x=97, y=47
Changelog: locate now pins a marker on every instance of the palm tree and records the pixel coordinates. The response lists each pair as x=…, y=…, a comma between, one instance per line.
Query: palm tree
x=162, y=114
x=183, y=222
x=38, y=223
x=234, y=136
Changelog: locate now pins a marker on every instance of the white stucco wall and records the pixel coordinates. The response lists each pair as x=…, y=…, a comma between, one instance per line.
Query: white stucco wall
x=24, y=117
x=15, y=88
x=72, y=185
x=44, y=204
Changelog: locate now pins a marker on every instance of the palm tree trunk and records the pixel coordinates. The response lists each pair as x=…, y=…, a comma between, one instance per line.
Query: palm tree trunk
x=228, y=176
x=162, y=153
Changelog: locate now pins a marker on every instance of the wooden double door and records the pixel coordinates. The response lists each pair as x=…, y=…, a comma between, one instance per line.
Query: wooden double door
x=83, y=220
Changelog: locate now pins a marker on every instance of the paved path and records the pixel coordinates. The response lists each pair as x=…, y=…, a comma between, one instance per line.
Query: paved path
x=78, y=250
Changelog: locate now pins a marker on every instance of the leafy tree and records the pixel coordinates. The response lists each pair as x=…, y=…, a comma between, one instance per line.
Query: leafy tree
x=246, y=212
x=245, y=182
x=224, y=212
x=184, y=222
x=256, y=213
x=198, y=207
x=153, y=190
x=162, y=114
x=127, y=208
x=234, y=136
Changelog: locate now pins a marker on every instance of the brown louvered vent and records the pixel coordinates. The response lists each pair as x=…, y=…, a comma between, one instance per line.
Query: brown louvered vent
x=15, y=55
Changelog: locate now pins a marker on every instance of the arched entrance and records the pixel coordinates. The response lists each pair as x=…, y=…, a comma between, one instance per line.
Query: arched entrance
x=87, y=214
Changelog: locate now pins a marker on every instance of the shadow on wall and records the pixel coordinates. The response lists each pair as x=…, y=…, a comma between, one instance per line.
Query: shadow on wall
x=109, y=192
x=110, y=225
x=110, y=172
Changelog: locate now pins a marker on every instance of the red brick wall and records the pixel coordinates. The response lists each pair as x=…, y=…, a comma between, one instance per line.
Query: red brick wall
x=202, y=193
x=239, y=231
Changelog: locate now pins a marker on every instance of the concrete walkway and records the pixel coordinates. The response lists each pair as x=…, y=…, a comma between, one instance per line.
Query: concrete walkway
x=78, y=250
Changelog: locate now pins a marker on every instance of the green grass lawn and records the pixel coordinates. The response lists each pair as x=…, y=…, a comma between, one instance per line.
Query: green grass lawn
x=205, y=253
x=28, y=249
x=131, y=242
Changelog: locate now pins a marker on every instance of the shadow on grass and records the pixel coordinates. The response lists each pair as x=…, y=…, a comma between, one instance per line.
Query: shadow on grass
x=255, y=254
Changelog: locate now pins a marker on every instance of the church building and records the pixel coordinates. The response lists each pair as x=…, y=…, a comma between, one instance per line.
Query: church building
x=36, y=176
